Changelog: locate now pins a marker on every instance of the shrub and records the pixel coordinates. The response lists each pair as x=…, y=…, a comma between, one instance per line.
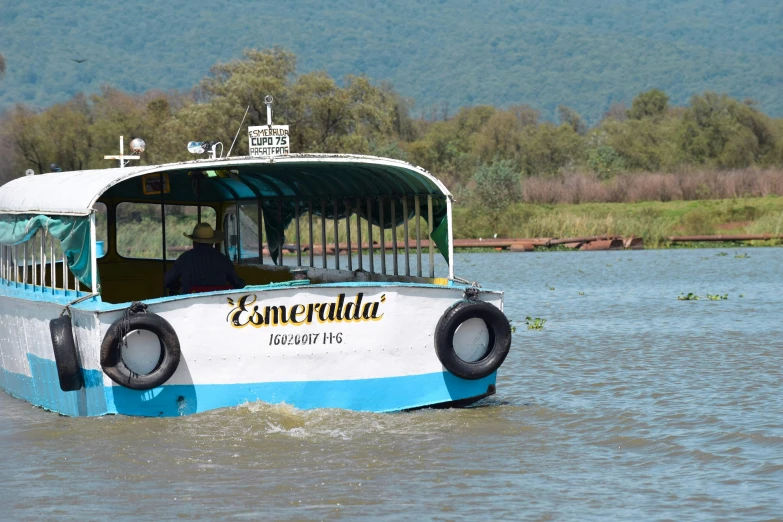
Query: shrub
x=497, y=185
x=605, y=161
x=649, y=104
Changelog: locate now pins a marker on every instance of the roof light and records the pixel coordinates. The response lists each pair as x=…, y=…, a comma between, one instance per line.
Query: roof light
x=198, y=147
x=137, y=145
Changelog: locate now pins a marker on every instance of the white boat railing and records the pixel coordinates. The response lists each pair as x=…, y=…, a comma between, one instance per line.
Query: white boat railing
x=36, y=269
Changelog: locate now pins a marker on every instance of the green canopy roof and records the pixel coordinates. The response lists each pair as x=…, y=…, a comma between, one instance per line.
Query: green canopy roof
x=296, y=177
x=368, y=186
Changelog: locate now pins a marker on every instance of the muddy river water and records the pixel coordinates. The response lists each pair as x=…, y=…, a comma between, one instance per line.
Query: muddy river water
x=628, y=405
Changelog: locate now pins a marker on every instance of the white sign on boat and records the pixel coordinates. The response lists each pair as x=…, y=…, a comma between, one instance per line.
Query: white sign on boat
x=269, y=140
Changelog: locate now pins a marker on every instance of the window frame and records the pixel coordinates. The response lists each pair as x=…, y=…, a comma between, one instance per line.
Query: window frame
x=159, y=259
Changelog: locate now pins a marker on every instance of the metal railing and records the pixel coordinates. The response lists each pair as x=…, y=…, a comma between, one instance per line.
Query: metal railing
x=344, y=242
x=33, y=265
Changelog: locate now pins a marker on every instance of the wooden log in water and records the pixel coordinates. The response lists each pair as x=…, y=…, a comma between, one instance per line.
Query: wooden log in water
x=521, y=246
x=603, y=244
x=634, y=243
x=584, y=239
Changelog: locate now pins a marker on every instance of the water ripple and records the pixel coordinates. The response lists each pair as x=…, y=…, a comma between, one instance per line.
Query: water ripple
x=628, y=405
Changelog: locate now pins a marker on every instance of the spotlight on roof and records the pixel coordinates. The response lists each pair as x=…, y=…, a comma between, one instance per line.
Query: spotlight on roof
x=137, y=145
x=198, y=147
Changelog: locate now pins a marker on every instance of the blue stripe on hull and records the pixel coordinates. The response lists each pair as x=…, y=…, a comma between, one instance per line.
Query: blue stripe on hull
x=376, y=395
x=43, y=389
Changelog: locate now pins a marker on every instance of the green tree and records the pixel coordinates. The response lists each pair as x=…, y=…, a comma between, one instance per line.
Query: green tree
x=721, y=131
x=59, y=135
x=324, y=117
x=644, y=145
x=572, y=118
x=649, y=104
x=605, y=161
x=497, y=185
x=547, y=149
x=502, y=134
x=447, y=147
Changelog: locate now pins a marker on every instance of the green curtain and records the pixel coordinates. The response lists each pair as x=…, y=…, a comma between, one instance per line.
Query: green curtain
x=73, y=232
x=440, y=235
x=275, y=224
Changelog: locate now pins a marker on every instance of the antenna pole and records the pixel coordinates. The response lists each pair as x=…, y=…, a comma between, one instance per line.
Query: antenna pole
x=268, y=102
x=237, y=134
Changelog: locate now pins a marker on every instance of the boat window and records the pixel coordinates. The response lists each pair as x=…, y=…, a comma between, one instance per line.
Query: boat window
x=139, y=229
x=246, y=235
x=326, y=234
x=101, y=229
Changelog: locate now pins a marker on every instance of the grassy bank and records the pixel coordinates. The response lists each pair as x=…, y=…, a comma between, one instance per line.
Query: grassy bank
x=651, y=220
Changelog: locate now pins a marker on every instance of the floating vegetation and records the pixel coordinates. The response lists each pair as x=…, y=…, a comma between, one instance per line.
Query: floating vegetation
x=552, y=288
x=690, y=296
x=742, y=256
x=513, y=328
x=741, y=295
x=722, y=254
x=535, y=324
x=581, y=293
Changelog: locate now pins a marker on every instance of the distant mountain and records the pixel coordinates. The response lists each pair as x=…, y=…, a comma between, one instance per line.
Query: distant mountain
x=585, y=54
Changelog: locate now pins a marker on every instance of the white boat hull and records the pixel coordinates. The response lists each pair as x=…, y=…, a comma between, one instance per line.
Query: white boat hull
x=358, y=346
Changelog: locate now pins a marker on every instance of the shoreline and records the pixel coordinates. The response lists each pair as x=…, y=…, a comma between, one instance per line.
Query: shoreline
x=654, y=221
x=716, y=245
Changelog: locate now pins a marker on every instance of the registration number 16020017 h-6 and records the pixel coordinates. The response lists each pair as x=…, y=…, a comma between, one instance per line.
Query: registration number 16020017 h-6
x=300, y=339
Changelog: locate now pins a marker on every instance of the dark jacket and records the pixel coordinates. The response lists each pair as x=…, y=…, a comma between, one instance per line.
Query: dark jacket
x=204, y=265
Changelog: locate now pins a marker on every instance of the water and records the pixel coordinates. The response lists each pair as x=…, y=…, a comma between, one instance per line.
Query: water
x=629, y=404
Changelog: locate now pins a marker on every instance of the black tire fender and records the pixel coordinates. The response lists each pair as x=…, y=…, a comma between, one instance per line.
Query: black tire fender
x=499, y=339
x=111, y=356
x=69, y=371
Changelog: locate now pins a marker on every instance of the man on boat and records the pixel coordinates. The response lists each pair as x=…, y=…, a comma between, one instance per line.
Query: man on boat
x=204, y=267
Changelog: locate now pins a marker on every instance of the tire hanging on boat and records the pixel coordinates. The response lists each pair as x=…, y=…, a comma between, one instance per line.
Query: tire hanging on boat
x=498, y=346
x=137, y=318
x=69, y=372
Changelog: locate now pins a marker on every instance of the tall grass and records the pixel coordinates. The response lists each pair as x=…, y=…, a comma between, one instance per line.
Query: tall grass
x=579, y=187
x=653, y=221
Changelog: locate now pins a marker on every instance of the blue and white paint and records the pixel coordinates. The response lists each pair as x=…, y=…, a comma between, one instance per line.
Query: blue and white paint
x=278, y=348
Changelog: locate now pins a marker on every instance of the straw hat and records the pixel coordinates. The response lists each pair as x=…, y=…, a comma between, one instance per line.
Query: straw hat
x=203, y=233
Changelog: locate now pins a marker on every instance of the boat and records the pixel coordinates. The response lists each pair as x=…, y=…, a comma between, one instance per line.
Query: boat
x=352, y=321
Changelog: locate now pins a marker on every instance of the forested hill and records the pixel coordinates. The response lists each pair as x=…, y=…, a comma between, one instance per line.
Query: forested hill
x=585, y=54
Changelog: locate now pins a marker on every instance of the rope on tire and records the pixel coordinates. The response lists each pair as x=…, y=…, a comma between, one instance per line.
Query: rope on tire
x=136, y=307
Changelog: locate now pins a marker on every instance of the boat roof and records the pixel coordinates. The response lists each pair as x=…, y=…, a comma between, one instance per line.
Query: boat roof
x=295, y=176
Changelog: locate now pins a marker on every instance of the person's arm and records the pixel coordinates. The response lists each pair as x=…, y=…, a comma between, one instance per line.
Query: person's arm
x=234, y=279
x=231, y=274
